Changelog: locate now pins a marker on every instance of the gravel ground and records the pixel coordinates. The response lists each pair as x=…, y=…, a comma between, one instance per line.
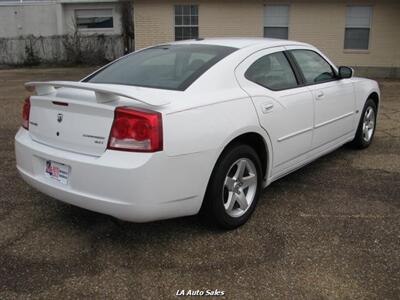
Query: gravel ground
x=330, y=230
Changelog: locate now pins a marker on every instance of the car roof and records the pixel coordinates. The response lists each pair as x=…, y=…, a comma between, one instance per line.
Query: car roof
x=241, y=42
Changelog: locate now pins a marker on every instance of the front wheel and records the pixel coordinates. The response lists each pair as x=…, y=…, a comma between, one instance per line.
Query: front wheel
x=366, y=127
x=234, y=187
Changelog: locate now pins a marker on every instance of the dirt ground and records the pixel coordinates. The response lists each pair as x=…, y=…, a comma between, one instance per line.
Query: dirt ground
x=328, y=231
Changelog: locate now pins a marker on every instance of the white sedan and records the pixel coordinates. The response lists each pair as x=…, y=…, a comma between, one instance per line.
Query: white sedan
x=195, y=125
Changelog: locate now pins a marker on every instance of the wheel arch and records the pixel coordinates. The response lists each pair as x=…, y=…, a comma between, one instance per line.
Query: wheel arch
x=259, y=141
x=255, y=141
x=375, y=97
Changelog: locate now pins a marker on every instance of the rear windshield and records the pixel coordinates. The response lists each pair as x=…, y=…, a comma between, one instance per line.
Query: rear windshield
x=173, y=67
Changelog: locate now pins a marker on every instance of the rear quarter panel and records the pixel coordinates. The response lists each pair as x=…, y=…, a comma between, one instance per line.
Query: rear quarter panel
x=208, y=127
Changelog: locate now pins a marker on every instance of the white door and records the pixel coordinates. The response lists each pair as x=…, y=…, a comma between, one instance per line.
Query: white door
x=334, y=98
x=285, y=109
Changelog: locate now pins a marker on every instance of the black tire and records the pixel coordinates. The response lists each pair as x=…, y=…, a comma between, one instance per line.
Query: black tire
x=213, y=206
x=360, y=142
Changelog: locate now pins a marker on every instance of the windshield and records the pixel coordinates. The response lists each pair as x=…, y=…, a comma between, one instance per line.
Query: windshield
x=172, y=67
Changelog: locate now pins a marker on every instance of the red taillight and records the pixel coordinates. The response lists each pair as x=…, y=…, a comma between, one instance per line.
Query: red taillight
x=136, y=130
x=25, y=113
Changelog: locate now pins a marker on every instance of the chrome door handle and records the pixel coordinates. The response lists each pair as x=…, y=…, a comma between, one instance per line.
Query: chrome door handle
x=320, y=95
x=266, y=107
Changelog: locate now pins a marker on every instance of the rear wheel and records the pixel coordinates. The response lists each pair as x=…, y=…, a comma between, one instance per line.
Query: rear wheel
x=366, y=126
x=234, y=187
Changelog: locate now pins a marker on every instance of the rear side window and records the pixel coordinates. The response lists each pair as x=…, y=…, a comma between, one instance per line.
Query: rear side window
x=173, y=67
x=272, y=71
x=315, y=69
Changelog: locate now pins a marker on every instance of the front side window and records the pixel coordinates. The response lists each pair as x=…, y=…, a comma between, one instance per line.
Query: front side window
x=272, y=71
x=172, y=67
x=315, y=69
x=358, y=23
x=276, y=21
x=94, y=18
x=186, y=22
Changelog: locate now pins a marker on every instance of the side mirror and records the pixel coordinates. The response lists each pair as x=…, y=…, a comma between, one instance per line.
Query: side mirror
x=345, y=72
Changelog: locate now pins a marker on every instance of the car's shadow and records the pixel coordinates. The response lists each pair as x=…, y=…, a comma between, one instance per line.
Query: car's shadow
x=85, y=219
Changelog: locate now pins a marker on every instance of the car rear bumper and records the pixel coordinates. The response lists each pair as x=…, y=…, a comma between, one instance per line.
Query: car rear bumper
x=137, y=187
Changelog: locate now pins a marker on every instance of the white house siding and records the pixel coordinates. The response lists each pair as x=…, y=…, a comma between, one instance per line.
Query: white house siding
x=21, y=19
x=46, y=26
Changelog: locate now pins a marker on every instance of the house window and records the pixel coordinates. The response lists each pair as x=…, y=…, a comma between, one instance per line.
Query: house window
x=276, y=21
x=358, y=24
x=186, y=22
x=94, y=18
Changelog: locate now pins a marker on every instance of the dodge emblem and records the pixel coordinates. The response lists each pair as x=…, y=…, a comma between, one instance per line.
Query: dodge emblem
x=59, y=118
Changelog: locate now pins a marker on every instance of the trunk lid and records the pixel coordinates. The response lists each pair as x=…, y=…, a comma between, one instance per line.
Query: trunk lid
x=78, y=126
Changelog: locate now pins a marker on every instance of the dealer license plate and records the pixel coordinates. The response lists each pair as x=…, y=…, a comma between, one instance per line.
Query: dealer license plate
x=57, y=171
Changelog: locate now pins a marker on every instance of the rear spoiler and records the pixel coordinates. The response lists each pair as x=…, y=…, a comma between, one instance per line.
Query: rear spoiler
x=103, y=93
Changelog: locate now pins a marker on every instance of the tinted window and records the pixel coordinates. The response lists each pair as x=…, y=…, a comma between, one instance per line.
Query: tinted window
x=272, y=71
x=166, y=67
x=314, y=68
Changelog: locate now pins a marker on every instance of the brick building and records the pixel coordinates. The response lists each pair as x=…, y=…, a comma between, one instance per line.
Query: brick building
x=359, y=33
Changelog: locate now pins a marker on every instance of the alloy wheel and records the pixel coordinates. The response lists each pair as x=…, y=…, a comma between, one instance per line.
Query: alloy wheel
x=368, y=124
x=240, y=187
